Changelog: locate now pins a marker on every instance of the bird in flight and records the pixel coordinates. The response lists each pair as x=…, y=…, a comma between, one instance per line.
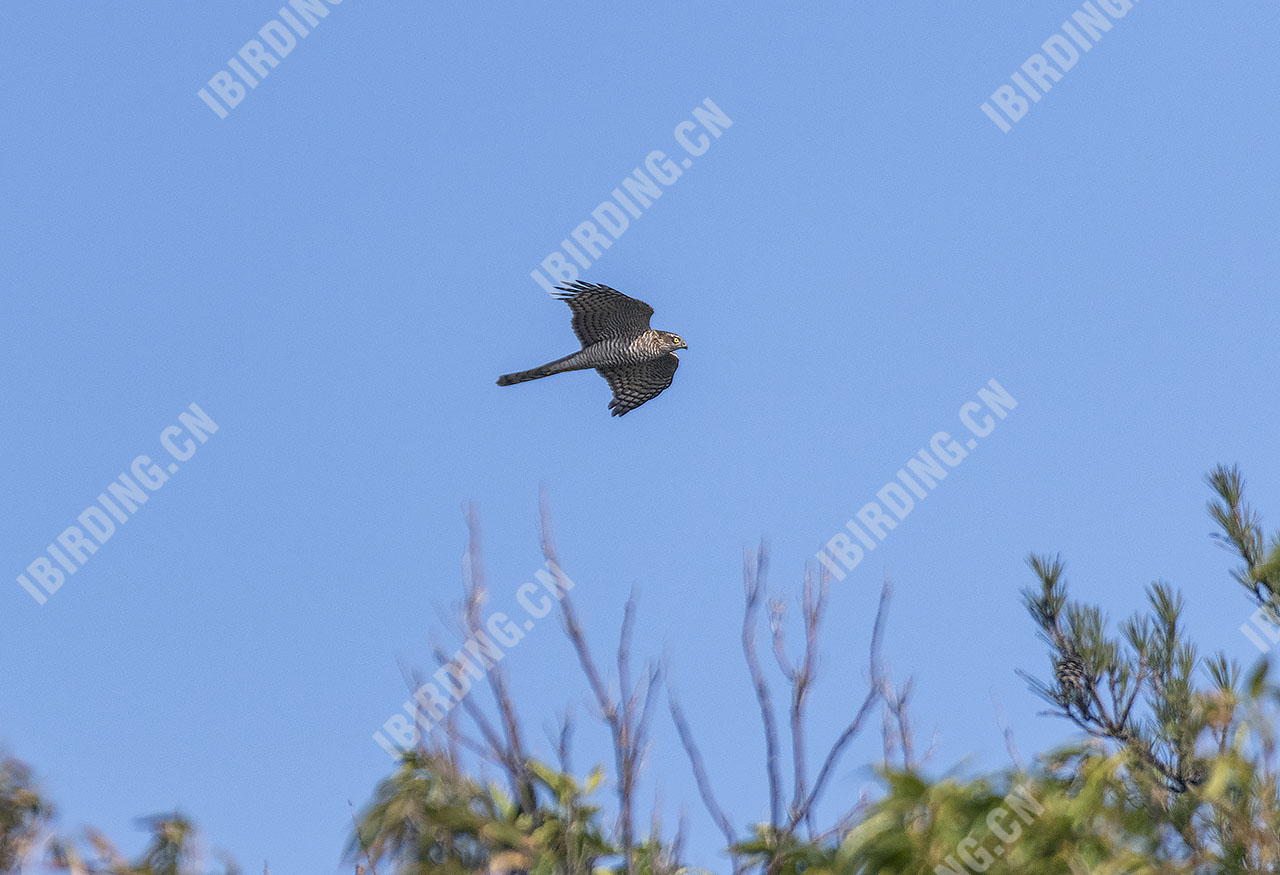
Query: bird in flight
x=617, y=342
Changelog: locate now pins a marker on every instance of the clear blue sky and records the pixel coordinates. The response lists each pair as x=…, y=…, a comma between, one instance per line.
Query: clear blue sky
x=337, y=272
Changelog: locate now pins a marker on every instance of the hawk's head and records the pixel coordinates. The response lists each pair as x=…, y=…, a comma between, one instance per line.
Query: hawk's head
x=675, y=341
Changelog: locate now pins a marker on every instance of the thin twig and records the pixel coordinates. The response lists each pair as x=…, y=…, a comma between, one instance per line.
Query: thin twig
x=752, y=575
x=873, y=695
x=518, y=762
x=364, y=846
x=626, y=719
x=699, y=767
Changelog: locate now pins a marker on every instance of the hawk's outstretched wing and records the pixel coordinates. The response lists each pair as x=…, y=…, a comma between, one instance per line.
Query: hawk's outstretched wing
x=600, y=312
x=633, y=385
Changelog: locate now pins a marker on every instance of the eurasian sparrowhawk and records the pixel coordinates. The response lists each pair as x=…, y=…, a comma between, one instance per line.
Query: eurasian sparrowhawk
x=617, y=342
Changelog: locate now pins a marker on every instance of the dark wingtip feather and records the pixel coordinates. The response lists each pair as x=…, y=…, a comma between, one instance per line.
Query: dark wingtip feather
x=569, y=290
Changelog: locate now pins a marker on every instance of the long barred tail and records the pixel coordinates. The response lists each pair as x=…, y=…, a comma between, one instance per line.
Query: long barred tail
x=524, y=376
x=571, y=362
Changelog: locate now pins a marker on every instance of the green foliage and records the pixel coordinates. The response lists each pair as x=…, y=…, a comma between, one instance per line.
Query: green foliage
x=1012, y=823
x=1241, y=533
x=1175, y=774
x=173, y=850
x=23, y=813
x=1086, y=810
x=1139, y=686
x=429, y=818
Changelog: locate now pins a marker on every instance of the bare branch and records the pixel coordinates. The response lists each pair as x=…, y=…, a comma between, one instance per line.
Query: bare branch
x=1006, y=730
x=475, y=595
x=897, y=721
x=624, y=648
x=873, y=695
x=699, y=767
x=813, y=607
x=496, y=751
x=752, y=574
x=563, y=741
x=626, y=717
